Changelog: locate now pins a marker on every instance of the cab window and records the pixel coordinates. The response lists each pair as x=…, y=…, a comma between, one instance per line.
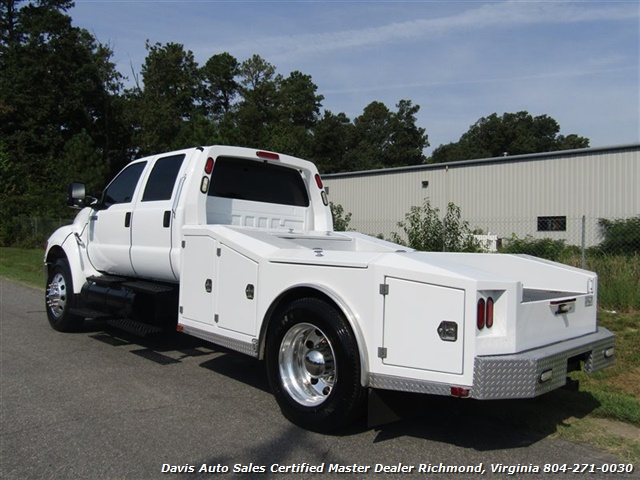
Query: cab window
x=162, y=178
x=258, y=182
x=121, y=189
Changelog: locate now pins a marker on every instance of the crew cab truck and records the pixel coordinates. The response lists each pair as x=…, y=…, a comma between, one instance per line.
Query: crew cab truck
x=236, y=246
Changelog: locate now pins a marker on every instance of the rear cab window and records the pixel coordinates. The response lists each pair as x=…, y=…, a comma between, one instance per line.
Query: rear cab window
x=264, y=182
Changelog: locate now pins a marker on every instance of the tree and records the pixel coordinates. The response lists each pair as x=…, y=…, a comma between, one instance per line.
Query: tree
x=56, y=83
x=408, y=141
x=299, y=105
x=382, y=138
x=510, y=134
x=331, y=142
x=220, y=84
x=170, y=99
x=256, y=110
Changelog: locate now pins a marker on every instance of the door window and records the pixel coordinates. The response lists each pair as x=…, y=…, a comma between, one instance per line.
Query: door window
x=162, y=178
x=121, y=189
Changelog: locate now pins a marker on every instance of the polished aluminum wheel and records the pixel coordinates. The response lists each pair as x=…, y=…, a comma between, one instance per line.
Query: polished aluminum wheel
x=307, y=364
x=57, y=295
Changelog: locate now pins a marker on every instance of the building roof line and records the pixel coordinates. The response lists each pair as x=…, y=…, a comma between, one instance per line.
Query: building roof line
x=503, y=159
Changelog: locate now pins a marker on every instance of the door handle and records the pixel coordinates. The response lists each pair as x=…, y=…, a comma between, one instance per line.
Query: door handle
x=166, y=221
x=127, y=220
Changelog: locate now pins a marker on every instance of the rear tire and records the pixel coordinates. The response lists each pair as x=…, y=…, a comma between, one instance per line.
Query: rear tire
x=313, y=366
x=59, y=298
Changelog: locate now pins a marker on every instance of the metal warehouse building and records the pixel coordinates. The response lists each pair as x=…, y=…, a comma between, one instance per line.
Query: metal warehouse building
x=559, y=195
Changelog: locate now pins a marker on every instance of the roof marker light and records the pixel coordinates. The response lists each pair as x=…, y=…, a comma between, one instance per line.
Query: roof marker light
x=267, y=155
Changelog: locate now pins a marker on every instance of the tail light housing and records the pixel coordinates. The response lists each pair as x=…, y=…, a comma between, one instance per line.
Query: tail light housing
x=489, y=315
x=481, y=313
x=484, y=316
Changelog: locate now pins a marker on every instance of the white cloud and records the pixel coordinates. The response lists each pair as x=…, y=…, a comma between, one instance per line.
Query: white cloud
x=508, y=15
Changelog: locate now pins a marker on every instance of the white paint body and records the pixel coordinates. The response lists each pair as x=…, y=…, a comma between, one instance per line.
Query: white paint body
x=234, y=258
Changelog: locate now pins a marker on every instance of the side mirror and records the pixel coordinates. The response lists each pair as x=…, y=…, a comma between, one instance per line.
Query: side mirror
x=76, y=195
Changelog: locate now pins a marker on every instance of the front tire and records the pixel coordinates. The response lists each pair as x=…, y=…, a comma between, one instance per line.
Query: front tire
x=313, y=366
x=59, y=298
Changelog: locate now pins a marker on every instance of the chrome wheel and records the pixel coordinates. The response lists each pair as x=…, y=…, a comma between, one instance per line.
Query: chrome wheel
x=57, y=295
x=307, y=364
x=59, y=298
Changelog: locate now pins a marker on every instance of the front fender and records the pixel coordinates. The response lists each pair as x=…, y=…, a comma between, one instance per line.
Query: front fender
x=70, y=242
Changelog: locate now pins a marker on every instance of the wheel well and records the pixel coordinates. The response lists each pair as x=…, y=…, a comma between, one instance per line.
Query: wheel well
x=55, y=253
x=284, y=299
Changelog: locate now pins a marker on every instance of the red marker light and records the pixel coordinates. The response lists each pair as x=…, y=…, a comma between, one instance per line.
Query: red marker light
x=268, y=155
x=319, y=181
x=460, y=392
x=481, y=313
x=208, y=167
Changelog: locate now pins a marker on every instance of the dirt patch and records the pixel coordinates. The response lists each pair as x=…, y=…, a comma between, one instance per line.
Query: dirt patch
x=619, y=429
x=627, y=382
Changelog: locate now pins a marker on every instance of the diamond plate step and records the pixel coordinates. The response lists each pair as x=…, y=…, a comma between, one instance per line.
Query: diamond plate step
x=88, y=313
x=105, y=280
x=134, y=327
x=148, y=287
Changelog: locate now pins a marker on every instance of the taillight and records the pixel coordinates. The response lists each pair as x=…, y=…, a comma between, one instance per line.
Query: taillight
x=481, y=314
x=319, y=181
x=208, y=167
x=268, y=155
x=489, y=319
x=460, y=392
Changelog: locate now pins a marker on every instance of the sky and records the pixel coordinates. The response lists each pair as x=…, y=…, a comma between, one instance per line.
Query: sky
x=576, y=61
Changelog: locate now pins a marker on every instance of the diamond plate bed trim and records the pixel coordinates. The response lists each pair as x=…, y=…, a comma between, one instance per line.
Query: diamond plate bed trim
x=517, y=376
x=388, y=382
x=237, y=345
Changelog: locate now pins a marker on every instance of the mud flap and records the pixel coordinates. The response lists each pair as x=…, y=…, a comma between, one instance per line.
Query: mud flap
x=388, y=406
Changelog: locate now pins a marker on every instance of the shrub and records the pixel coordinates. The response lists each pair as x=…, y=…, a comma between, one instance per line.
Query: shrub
x=621, y=236
x=424, y=230
x=538, y=247
x=340, y=219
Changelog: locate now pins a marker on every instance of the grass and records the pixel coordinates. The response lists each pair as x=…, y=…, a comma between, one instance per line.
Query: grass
x=23, y=266
x=613, y=393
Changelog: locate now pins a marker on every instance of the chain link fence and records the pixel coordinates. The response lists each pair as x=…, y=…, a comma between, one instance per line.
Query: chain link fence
x=610, y=248
x=29, y=232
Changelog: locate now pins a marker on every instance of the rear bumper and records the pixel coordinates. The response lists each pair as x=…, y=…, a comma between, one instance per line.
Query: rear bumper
x=519, y=375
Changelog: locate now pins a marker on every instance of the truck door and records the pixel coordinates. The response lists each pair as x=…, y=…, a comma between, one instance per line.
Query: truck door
x=110, y=224
x=152, y=224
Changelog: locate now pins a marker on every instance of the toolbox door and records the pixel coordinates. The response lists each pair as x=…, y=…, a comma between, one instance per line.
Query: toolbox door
x=198, y=274
x=423, y=326
x=237, y=291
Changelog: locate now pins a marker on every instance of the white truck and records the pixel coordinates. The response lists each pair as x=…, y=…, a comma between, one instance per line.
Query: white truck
x=236, y=246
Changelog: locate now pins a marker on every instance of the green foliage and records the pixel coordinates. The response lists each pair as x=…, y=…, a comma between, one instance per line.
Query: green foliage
x=163, y=110
x=424, y=230
x=57, y=87
x=340, y=219
x=621, y=236
x=510, y=134
x=547, y=248
x=618, y=280
x=382, y=138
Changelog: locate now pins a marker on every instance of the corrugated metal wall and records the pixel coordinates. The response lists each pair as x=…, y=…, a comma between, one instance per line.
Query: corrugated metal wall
x=502, y=196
